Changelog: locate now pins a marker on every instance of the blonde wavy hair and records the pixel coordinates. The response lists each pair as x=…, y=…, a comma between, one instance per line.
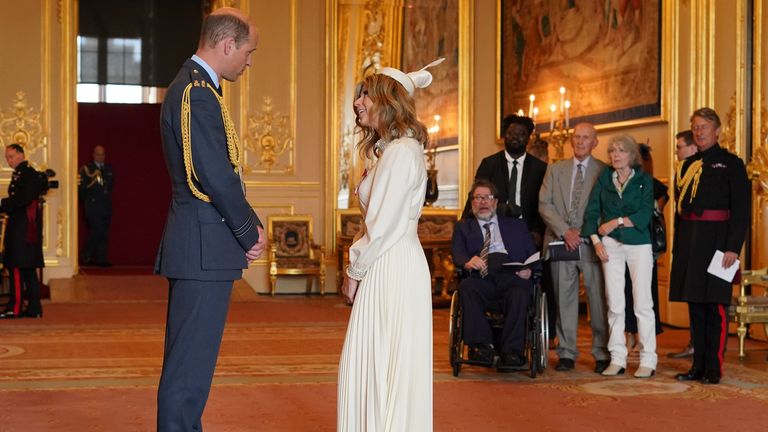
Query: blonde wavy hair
x=394, y=111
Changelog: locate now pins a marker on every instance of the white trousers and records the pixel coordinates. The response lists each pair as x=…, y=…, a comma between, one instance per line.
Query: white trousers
x=639, y=259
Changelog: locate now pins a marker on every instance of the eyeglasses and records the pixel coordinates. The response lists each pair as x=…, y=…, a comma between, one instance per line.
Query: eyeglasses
x=482, y=198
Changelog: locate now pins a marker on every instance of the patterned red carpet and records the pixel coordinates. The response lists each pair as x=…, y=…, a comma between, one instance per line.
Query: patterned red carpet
x=93, y=361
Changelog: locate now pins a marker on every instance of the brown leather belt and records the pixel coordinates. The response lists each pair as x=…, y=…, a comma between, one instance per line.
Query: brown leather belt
x=708, y=216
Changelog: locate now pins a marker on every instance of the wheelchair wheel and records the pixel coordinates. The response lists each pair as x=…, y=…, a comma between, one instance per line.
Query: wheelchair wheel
x=543, y=332
x=455, y=343
x=533, y=347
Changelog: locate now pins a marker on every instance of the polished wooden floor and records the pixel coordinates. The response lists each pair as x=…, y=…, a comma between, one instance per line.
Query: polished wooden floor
x=93, y=361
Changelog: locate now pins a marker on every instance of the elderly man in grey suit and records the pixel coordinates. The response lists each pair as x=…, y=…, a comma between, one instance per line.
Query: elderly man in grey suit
x=562, y=200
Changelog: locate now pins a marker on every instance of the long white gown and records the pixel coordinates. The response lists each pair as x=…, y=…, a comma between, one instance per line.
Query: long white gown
x=385, y=372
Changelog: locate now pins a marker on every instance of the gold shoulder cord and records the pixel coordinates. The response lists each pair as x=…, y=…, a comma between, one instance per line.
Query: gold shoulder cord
x=233, y=144
x=94, y=176
x=692, y=175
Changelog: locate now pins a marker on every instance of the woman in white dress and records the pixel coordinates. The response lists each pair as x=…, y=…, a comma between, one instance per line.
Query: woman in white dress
x=385, y=372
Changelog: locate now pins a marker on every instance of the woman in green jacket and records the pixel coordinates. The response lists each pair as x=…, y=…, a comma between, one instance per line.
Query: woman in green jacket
x=617, y=220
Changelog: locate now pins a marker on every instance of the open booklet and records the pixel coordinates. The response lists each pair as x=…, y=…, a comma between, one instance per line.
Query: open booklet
x=517, y=266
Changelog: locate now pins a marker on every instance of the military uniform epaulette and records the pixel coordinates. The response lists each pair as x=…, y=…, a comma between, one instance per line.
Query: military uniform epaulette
x=197, y=79
x=234, y=149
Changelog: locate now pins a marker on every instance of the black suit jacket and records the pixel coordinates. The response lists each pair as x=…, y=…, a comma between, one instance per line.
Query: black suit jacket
x=494, y=168
x=202, y=241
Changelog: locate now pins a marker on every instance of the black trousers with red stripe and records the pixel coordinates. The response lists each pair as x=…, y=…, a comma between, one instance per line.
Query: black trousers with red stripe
x=24, y=286
x=709, y=330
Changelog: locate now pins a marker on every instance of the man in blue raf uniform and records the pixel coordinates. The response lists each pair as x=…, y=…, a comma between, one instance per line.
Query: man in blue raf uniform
x=95, y=188
x=480, y=245
x=23, y=253
x=211, y=233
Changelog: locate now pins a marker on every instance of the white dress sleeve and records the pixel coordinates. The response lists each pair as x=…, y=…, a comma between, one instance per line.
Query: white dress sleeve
x=394, y=187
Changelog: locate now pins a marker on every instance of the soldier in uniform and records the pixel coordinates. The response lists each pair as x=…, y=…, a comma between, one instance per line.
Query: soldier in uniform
x=712, y=193
x=23, y=253
x=211, y=232
x=96, y=183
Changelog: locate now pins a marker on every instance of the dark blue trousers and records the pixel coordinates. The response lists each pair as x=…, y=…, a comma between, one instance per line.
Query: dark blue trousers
x=478, y=293
x=197, y=312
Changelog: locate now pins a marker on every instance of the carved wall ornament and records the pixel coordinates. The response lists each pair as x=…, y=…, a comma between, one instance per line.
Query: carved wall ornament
x=60, y=232
x=727, y=137
x=373, y=41
x=22, y=125
x=269, y=138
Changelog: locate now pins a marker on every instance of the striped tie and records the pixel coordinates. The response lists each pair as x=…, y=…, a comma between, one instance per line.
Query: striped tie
x=578, y=187
x=486, y=248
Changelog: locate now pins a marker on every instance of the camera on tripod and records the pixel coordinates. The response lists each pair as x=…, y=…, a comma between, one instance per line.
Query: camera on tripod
x=46, y=183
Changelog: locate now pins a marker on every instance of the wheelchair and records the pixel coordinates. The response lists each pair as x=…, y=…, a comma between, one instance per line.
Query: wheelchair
x=536, y=334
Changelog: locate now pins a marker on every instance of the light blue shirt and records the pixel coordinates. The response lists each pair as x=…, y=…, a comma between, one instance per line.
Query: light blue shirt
x=211, y=73
x=497, y=244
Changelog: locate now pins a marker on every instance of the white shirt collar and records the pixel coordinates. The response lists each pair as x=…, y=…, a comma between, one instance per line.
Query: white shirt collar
x=583, y=163
x=494, y=220
x=207, y=67
x=519, y=160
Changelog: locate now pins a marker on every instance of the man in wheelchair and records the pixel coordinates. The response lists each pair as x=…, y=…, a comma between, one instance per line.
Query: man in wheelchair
x=481, y=245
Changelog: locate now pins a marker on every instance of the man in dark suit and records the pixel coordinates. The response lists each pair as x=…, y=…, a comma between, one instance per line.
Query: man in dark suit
x=212, y=232
x=23, y=253
x=480, y=245
x=517, y=176
x=95, y=188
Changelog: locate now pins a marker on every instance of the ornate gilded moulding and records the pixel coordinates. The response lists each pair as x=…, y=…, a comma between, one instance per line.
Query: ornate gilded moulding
x=268, y=136
x=23, y=125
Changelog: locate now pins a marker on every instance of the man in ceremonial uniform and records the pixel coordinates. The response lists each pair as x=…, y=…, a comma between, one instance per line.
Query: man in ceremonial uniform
x=96, y=183
x=211, y=233
x=23, y=253
x=712, y=197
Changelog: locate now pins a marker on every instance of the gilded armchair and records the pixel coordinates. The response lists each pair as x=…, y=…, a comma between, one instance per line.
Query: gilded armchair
x=292, y=251
x=750, y=309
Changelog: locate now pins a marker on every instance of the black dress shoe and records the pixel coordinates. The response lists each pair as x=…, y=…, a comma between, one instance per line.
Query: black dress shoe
x=691, y=375
x=8, y=314
x=511, y=362
x=711, y=377
x=32, y=314
x=564, y=364
x=481, y=353
x=601, y=365
x=686, y=352
x=104, y=264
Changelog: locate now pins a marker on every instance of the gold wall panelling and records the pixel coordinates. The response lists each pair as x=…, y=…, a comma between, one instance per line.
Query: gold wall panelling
x=269, y=137
x=270, y=132
x=43, y=116
x=703, y=53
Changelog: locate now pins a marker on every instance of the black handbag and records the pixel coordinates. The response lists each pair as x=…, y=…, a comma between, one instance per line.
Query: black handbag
x=658, y=232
